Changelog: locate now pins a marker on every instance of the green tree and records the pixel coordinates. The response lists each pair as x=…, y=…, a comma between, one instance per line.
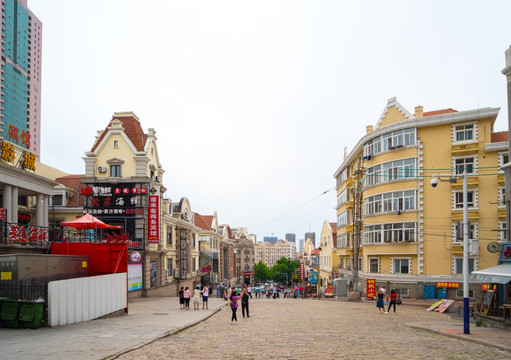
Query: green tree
x=282, y=267
x=262, y=272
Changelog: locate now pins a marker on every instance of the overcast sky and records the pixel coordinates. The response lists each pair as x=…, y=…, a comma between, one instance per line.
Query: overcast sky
x=253, y=102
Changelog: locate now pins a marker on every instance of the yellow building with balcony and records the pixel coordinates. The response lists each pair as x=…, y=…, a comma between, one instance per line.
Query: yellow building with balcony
x=407, y=229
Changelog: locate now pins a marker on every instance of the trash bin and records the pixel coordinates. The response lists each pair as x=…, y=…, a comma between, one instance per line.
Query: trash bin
x=31, y=314
x=9, y=313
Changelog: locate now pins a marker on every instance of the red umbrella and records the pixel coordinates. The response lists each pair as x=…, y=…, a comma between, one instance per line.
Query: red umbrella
x=88, y=221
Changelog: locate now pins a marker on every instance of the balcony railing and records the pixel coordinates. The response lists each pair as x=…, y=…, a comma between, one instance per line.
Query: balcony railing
x=13, y=233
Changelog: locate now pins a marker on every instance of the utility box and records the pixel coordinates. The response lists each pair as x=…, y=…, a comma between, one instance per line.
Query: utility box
x=42, y=267
x=341, y=287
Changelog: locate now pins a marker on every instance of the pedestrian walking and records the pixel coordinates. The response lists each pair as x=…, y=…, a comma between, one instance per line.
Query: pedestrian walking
x=274, y=292
x=244, y=302
x=379, y=301
x=393, y=297
x=249, y=289
x=181, y=298
x=196, y=298
x=186, y=295
x=234, y=305
x=205, y=295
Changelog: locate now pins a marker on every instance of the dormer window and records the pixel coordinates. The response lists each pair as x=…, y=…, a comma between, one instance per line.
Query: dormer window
x=116, y=144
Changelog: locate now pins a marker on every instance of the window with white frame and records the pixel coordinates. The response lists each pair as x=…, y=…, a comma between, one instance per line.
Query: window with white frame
x=503, y=159
x=464, y=132
x=465, y=163
x=502, y=231
x=372, y=234
x=342, y=240
x=458, y=265
x=342, y=198
x=399, y=232
x=459, y=293
x=400, y=266
x=502, y=197
x=343, y=218
x=393, y=170
x=471, y=199
x=115, y=170
x=472, y=231
x=403, y=292
x=374, y=265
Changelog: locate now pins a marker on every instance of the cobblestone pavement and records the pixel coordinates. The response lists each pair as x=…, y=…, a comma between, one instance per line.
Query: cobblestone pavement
x=312, y=329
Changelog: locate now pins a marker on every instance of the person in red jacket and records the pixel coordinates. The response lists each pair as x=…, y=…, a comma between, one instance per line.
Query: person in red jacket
x=393, y=297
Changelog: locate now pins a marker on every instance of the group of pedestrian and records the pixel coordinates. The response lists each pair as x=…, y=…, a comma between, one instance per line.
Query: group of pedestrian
x=392, y=300
x=233, y=298
x=185, y=295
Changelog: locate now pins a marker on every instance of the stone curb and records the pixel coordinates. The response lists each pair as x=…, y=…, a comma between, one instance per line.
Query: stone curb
x=464, y=337
x=168, y=333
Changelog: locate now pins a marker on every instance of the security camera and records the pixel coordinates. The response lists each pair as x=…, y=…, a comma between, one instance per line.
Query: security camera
x=434, y=182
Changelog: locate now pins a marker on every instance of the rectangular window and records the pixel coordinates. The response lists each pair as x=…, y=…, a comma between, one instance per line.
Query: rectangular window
x=459, y=199
x=115, y=170
x=169, y=267
x=169, y=235
x=401, y=266
x=342, y=198
x=464, y=132
x=409, y=137
x=463, y=164
x=403, y=292
x=56, y=200
x=502, y=231
x=459, y=293
x=472, y=232
x=374, y=265
x=458, y=268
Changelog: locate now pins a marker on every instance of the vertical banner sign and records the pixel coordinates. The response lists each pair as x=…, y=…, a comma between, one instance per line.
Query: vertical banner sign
x=153, y=216
x=371, y=288
x=302, y=269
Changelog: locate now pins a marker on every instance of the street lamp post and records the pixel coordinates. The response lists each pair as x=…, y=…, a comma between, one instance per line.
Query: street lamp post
x=452, y=178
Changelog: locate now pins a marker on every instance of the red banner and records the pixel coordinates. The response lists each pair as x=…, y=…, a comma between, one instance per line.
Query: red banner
x=153, y=217
x=448, y=284
x=302, y=269
x=371, y=288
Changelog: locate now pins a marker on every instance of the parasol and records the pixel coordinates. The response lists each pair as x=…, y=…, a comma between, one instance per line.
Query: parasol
x=88, y=221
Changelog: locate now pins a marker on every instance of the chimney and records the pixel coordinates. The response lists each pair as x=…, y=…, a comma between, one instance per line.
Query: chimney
x=369, y=129
x=419, y=111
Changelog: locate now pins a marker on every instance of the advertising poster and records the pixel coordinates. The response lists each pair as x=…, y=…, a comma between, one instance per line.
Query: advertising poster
x=371, y=288
x=134, y=277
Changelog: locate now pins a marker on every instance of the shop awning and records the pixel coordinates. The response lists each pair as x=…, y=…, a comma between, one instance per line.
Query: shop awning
x=500, y=274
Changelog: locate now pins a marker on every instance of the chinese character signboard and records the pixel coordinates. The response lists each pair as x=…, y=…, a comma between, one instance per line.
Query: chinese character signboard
x=302, y=269
x=371, y=288
x=505, y=253
x=448, y=284
x=123, y=199
x=153, y=216
x=3, y=214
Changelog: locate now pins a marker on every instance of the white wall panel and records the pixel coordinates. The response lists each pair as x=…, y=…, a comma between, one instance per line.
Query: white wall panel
x=84, y=299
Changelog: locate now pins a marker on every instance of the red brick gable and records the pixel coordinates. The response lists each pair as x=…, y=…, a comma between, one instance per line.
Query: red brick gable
x=132, y=129
x=439, y=112
x=73, y=182
x=499, y=136
x=199, y=221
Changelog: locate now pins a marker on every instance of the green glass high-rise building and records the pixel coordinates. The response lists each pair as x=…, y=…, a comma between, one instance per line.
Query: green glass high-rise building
x=20, y=105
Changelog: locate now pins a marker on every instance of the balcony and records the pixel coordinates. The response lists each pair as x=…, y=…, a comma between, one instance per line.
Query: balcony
x=349, y=204
x=472, y=181
x=501, y=179
x=465, y=149
x=458, y=215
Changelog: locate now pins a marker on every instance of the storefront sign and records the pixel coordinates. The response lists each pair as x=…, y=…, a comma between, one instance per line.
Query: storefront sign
x=486, y=287
x=3, y=214
x=27, y=159
x=313, y=277
x=505, y=253
x=446, y=284
x=153, y=216
x=302, y=269
x=123, y=199
x=371, y=288
x=134, y=277
x=206, y=269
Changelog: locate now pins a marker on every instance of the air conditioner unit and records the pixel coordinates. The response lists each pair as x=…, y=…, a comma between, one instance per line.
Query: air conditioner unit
x=102, y=169
x=176, y=273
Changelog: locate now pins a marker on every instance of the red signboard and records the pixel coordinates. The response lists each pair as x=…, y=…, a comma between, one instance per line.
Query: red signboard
x=448, y=284
x=302, y=269
x=206, y=269
x=3, y=214
x=486, y=287
x=153, y=217
x=371, y=288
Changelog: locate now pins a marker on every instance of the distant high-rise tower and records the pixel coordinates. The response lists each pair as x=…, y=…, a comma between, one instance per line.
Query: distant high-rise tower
x=291, y=237
x=20, y=111
x=312, y=235
x=271, y=239
x=300, y=245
